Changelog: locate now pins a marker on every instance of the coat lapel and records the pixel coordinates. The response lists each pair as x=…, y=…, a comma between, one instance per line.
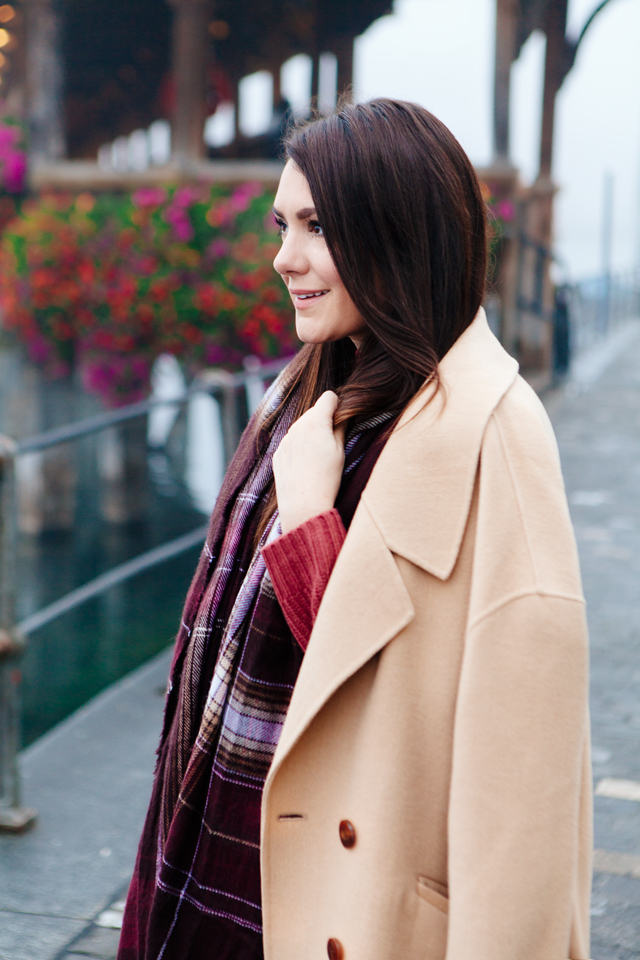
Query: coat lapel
x=365, y=605
x=416, y=505
x=420, y=491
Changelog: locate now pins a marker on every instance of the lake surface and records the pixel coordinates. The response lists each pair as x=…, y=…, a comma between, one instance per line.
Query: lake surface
x=76, y=656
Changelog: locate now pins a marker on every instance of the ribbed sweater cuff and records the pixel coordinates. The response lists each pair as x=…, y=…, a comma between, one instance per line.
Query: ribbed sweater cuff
x=300, y=563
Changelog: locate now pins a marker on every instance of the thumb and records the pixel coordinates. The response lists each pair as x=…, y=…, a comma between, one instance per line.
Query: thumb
x=327, y=405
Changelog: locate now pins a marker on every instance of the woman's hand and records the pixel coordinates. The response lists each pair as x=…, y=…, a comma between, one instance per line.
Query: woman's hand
x=307, y=466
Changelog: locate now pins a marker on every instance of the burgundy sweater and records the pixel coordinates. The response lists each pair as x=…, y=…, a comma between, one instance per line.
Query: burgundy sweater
x=300, y=564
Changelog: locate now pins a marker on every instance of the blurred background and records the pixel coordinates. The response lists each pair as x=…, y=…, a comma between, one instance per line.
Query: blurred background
x=141, y=320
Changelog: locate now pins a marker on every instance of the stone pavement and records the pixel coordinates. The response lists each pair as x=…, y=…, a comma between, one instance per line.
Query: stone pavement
x=61, y=887
x=90, y=780
x=597, y=422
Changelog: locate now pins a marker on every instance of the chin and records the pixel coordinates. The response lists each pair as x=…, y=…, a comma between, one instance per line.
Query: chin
x=312, y=332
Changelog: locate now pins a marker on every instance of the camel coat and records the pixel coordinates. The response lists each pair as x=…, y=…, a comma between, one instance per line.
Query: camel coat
x=440, y=716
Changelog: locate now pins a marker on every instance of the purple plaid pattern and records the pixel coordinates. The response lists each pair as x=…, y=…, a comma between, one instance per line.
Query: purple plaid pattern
x=196, y=888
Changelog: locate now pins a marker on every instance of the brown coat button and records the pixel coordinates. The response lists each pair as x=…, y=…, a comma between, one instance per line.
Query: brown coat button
x=334, y=949
x=347, y=834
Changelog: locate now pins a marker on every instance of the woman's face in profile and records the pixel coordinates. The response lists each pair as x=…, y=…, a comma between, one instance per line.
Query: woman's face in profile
x=324, y=309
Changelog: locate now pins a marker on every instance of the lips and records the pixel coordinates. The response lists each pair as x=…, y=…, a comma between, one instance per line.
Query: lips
x=304, y=298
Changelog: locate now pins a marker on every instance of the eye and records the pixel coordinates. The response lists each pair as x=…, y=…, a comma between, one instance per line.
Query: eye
x=315, y=228
x=281, y=226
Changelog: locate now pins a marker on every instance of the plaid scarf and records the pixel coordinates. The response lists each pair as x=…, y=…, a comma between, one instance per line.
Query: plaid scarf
x=196, y=887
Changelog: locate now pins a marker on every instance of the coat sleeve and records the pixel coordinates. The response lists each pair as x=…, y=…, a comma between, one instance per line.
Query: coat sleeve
x=519, y=816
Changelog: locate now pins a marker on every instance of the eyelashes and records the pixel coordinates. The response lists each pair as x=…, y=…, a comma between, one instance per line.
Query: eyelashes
x=314, y=227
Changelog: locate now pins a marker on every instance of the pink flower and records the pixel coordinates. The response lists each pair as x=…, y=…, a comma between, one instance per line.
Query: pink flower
x=214, y=355
x=149, y=197
x=219, y=248
x=99, y=377
x=140, y=368
x=8, y=137
x=179, y=220
x=15, y=172
x=182, y=230
x=244, y=194
x=505, y=210
x=39, y=349
x=185, y=196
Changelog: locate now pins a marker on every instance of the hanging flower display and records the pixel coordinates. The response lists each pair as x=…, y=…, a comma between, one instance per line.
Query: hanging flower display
x=109, y=282
x=502, y=215
x=13, y=167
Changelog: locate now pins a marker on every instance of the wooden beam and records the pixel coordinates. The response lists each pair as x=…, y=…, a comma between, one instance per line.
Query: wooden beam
x=554, y=73
x=43, y=74
x=315, y=79
x=189, y=63
x=343, y=49
x=277, y=88
x=506, y=27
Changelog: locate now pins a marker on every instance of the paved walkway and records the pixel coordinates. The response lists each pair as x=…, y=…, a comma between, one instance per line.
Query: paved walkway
x=90, y=780
x=90, y=777
x=597, y=423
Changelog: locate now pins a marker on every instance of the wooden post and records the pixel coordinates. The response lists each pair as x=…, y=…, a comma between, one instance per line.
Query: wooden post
x=46, y=479
x=315, y=49
x=315, y=79
x=277, y=86
x=535, y=289
x=506, y=22
x=122, y=465
x=221, y=383
x=554, y=74
x=43, y=82
x=190, y=43
x=343, y=49
x=14, y=818
x=234, y=147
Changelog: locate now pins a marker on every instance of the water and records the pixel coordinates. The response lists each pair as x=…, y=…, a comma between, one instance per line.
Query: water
x=74, y=657
x=79, y=654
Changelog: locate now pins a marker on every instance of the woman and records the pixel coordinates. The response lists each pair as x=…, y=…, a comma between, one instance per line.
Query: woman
x=376, y=735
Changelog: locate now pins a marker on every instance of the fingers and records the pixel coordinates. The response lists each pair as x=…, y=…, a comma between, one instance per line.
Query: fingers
x=327, y=404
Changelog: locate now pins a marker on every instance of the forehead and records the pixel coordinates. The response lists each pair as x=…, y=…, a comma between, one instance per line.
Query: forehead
x=293, y=190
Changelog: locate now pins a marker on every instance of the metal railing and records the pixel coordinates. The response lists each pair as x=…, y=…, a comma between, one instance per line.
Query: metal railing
x=225, y=388
x=586, y=313
x=598, y=306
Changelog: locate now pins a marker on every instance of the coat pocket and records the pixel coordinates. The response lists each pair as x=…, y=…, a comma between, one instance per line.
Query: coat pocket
x=429, y=891
x=429, y=936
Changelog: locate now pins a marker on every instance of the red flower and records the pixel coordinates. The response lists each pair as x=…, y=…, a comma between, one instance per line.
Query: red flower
x=191, y=333
x=206, y=298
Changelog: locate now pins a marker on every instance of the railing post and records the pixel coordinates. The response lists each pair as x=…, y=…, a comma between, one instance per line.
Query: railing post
x=122, y=464
x=254, y=384
x=13, y=816
x=223, y=383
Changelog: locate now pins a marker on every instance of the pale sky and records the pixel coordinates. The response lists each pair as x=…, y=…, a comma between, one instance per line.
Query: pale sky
x=440, y=53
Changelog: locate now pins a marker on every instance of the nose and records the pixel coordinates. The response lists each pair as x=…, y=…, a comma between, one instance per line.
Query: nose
x=290, y=259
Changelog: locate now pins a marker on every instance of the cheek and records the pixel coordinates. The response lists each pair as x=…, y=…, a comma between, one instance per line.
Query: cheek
x=326, y=269
x=328, y=274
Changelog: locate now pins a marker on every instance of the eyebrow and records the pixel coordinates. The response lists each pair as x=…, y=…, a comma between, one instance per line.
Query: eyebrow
x=303, y=214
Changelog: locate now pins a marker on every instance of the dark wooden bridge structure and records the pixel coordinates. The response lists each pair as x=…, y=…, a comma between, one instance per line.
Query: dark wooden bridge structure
x=85, y=72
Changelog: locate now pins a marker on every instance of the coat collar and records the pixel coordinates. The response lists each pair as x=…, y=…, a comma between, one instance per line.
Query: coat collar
x=420, y=490
x=416, y=505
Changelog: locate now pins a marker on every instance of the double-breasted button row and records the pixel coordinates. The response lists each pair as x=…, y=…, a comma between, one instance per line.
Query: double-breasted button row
x=334, y=949
x=347, y=834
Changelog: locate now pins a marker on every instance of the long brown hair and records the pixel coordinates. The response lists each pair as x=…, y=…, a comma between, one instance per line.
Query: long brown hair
x=405, y=222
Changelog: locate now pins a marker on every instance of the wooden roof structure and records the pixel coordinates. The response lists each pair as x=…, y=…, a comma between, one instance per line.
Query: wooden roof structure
x=124, y=63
